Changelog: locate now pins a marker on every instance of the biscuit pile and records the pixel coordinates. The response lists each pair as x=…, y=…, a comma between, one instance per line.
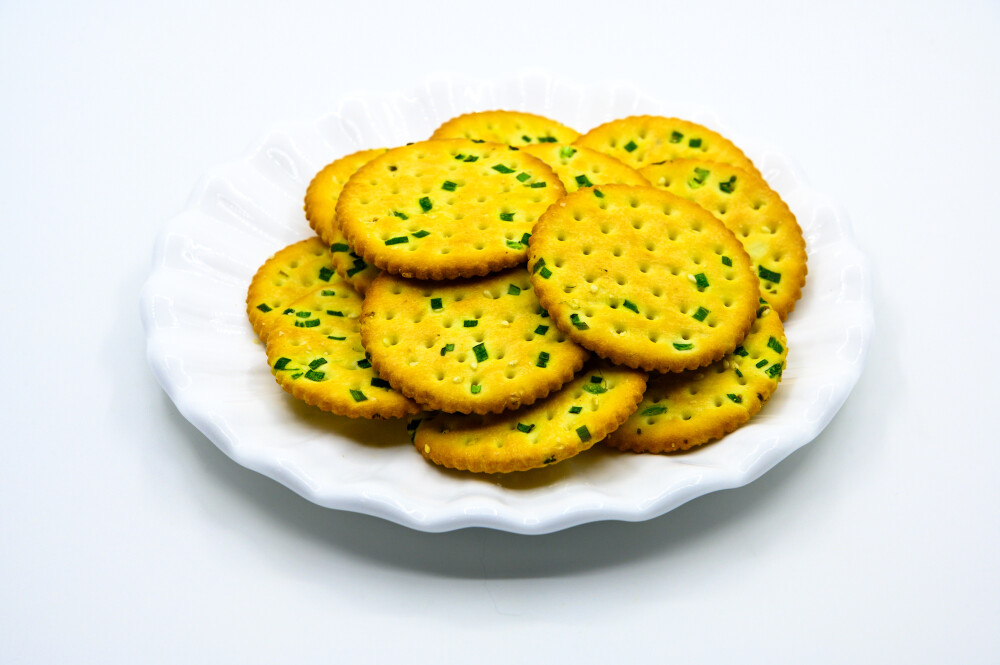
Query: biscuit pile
x=522, y=292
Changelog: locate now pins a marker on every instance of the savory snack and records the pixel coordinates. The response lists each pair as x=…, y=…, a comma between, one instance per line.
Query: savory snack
x=567, y=422
x=509, y=127
x=680, y=411
x=641, y=140
x=580, y=167
x=446, y=208
x=320, y=207
x=642, y=277
x=285, y=277
x=481, y=345
x=745, y=203
x=315, y=353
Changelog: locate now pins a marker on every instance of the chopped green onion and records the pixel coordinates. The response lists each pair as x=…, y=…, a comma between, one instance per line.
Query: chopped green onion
x=329, y=292
x=296, y=375
x=364, y=363
x=543, y=359
x=594, y=388
x=447, y=348
x=740, y=351
x=541, y=330
x=319, y=362
x=698, y=179
x=525, y=238
x=401, y=215
x=575, y=320
x=654, y=410
x=770, y=276
x=539, y=264
x=358, y=267
x=541, y=312
x=598, y=193
x=282, y=363
x=288, y=311
x=546, y=139
x=472, y=158
x=325, y=274
x=630, y=146
x=628, y=304
x=701, y=281
x=525, y=138
x=736, y=398
x=567, y=151
x=448, y=186
x=478, y=141
x=339, y=247
x=775, y=344
x=425, y=203
x=470, y=323
x=575, y=409
x=537, y=185
x=304, y=314
x=313, y=375
x=358, y=396
x=584, y=181
x=436, y=304
x=521, y=427
x=513, y=290
x=545, y=273
x=522, y=176
x=481, y=352
x=695, y=143
x=774, y=370
x=459, y=156
x=339, y=339
x=683, y=346
x=334, y=312
x=500, y=168
x=728, y=186
x=763, y=361
x=597, y=379
x=551, y=459
x=380, y=383
x=583, y=433
x=312, y=323
x=475, y=388
x=726, y=261
x=263, y=307
x=738, y=372
x=422, y=233
x=513, y=244
x=700, y=314
x=506, y=217
x=398, y=240
x=675, y=137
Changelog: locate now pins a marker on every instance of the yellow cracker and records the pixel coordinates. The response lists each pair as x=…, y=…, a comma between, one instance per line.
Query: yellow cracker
x=642, y=277
x=679, y=411
x=510, y=127
x=580, y=167
x=445, y=209
x=285, y=277
x=480, y=345
x=320, y=208
x=641, y=140
x=566, y=423
x=315, y=353
x=754, y=212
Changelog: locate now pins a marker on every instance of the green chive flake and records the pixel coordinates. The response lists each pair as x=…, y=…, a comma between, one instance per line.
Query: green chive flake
x=380, y=383
x=740, y=351
x=769, y=275
x=598, y=193
x=339, y=247
x=700, y=314
x=319, y=362
x=401, y=215
x=447, y=348
x=775, y=344
x=475, y=389
x=583, y=433
x=436, y=304
x=547, y=139
x=425, y=204
x=311, y=323
x=763, y=361
x=305, y=314
x=325, y=274
x=472, y=158
x=525, y=238
x=470, y=323
x=545, y=273
x=726, y=261
x=364, y=363
x=575, y=320
x=628, y=304
x=523, y=176
x=575, y=409
x=334, y=312
x=774, y=370
x=500, y=168
x=313, y=375
x=513, y=290
x=263, y=307
x=728, y=186
x=630, y=146
x=543, y=359
x=481, y=352
x=736, y=398
x=358, y=395
x=701, y=281
x=398, y=240
x=695, y=143
x=594, y=388
x=567, y=151
x=654, y=410
x=448, y=186
x=584, y=181
x=683, y=346
x=329, y=292
x=422, y=233
x=537, y=185
x=506, y=217
x=675, y=137
x=521, y=427
x=282, y=363
x=541, y=330
x=339, y=339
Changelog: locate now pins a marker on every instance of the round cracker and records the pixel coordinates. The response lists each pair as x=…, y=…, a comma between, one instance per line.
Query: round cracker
x=754, y=212
x=580, y=167
x=679, y=411
x=509, y=127
x=320, y=207
x=285, y=277
x=566, y=423
x=640, y=276
x=315, y=353
x=641, y=140
x=481, y=345
x=446, y=209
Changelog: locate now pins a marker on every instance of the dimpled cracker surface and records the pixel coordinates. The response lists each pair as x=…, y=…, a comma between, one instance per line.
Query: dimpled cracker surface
x=580, y=167
x=679, y=411
x=315, y=353
x=286, y=276
x=446, y=209
x=641, y=140
x=481, y=345
x=567, y=422
x=320, y=208
x=754, y=212
x=642, y=277
x=509, y=127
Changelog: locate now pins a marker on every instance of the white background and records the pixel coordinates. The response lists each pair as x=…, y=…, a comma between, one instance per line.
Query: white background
x=126, y=536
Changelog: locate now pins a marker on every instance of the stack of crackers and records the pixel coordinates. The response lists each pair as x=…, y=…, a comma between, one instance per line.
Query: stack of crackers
x=521, y=292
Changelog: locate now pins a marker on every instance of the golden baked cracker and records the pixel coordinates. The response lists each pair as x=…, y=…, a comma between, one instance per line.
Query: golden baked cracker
x=315, y=353
x=481, y=345
x=320, y=208
x=567, y=422
x=754, y=212
x=679, y=411
x=580, y=167
x=446, y=208
x=641, y=140
x=642, y=277
x=509, y=127
x=285, y=277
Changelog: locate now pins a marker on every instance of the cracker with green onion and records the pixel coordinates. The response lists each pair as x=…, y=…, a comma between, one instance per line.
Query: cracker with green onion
x=754, y=212
x=481, y=345
x=635, y=274
x=679, y=411
x=286, y=276
x=567, y=422
x=321, y=207
x=580, y=167
x=446, y=209
x=510, y=127
x=642, y=140
x=315, y=353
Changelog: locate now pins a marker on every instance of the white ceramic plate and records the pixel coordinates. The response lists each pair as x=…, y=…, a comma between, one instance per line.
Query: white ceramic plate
x=208, y=360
